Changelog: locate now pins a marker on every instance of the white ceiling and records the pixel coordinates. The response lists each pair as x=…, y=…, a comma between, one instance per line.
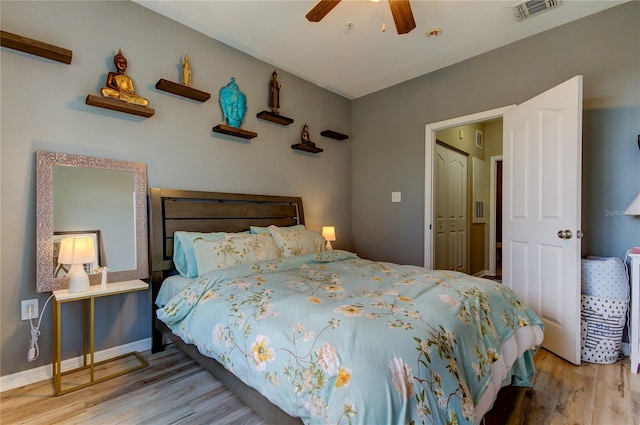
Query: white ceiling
x=361, y=60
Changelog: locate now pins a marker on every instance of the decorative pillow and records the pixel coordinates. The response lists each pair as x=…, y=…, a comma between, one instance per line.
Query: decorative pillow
x=297, y=242
x=184, y=257
x=233, y=251
x=257, y=229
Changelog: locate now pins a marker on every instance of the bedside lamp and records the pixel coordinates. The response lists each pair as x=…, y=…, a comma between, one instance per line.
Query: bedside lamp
x=634, y=208
x=77, y=252
x=329, y=233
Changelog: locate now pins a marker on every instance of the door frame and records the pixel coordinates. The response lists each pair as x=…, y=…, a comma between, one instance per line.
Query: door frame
x=430, y=143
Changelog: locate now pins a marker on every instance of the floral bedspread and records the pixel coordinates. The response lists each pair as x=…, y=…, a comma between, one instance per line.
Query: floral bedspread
x=333, y=338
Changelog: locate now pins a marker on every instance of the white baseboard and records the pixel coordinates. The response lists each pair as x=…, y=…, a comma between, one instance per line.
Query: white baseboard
x=42, y=373
x=482, y=273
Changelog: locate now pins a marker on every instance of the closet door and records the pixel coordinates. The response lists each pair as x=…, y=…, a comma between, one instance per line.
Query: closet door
x=450, y=210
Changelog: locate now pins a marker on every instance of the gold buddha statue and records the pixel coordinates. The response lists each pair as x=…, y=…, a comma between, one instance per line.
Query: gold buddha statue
x=120, y=86
x=186, y=71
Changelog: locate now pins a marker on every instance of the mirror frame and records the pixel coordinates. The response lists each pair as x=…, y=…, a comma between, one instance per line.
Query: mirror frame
x=45, y=161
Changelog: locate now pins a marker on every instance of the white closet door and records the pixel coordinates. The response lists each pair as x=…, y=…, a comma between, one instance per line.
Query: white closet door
x=450, y=210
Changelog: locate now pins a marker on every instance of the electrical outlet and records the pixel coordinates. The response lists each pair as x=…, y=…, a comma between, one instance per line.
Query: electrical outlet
x=29, y=309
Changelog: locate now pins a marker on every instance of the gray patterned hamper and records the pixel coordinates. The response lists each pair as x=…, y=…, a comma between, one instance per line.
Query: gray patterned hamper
x=605, y=300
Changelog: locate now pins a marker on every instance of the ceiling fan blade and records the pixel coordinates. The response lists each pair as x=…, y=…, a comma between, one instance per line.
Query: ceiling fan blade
x=402, y=15
x=321, y=10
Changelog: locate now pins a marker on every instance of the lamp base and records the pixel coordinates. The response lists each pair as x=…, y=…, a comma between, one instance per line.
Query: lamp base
x=79, y=281
x=328, y=246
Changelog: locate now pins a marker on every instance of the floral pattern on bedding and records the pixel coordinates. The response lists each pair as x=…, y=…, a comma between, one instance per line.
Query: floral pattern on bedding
x=333, y=338
x=233, y=251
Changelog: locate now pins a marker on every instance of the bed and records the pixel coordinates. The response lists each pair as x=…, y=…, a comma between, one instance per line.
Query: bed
x=305, y=335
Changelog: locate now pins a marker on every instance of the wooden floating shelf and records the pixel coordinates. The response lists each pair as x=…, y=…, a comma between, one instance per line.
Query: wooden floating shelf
x=276, y=118
x=334, y=135
x=120, y=106
x=307, y=147
x=182, y=90
x=233, y=131
x=35, y=47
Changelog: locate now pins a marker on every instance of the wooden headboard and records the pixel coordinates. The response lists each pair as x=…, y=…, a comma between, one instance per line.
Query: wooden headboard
x=193, y=211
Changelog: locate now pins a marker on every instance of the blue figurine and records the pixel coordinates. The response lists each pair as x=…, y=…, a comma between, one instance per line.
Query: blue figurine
x=234, y=104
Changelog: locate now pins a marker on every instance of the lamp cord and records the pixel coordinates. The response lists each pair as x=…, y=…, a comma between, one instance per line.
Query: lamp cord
x=626, y=269
x=34, y=351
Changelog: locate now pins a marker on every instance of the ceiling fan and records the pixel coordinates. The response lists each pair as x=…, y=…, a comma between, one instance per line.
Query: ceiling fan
x=400, y=9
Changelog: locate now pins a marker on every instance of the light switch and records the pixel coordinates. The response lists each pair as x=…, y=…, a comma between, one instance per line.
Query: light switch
x=396, y=196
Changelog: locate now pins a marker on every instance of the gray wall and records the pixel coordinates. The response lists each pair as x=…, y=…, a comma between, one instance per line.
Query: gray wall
x=43, y=108
x=388, y=131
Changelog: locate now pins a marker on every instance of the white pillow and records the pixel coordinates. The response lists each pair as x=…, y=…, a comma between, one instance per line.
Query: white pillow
x=297, y=242
x=234, y=251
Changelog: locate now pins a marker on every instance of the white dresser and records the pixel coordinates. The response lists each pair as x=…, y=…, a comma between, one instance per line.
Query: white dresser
x=635, y=312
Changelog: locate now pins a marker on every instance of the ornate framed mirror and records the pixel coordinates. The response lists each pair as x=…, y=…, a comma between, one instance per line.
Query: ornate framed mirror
x=87, y=195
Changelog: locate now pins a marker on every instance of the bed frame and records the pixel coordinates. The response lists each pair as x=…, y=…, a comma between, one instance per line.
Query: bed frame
x=172, y=210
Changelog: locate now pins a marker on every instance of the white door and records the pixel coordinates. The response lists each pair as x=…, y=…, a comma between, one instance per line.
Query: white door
x=450, y=210
x=541, y=211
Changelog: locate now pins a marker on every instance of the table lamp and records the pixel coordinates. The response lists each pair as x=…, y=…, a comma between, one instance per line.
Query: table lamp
x=329, y=233
x=77, y=252
x=634, y=208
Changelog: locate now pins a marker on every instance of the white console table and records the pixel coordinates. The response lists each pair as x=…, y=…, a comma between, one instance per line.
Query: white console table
x=635, y=312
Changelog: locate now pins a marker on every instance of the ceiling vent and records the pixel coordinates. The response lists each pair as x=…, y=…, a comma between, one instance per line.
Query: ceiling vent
x=527, y=8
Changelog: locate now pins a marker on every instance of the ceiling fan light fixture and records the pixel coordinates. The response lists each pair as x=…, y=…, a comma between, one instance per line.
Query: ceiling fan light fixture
x=434, y=32
x=400, y=9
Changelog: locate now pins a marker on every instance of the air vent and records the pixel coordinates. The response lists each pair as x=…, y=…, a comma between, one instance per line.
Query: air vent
x=479, y=212
x=528, y=8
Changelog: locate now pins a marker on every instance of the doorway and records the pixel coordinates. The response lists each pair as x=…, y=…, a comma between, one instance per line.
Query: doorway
x=495, y=218
x=430, y=141
x=481, y=143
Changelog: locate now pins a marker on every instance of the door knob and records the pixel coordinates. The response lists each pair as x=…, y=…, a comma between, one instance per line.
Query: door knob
x=565, y=234
x=579, y=235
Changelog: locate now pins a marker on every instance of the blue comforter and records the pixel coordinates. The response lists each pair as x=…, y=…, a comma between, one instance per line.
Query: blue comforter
x=333, y=338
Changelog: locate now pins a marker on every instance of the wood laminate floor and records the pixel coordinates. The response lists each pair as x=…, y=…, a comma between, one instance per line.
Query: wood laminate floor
x=175, y=390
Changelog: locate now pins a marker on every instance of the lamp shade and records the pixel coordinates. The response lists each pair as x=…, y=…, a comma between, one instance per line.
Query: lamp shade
x=634, y=208
x=77, y=251
x=329, y=233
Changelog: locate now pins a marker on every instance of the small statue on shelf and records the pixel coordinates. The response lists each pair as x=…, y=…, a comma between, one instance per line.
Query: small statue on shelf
x=305, y=138
x=234, y=104
x=274, y=93
x=186, y=71
x=120, y=86
x=103, y=275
